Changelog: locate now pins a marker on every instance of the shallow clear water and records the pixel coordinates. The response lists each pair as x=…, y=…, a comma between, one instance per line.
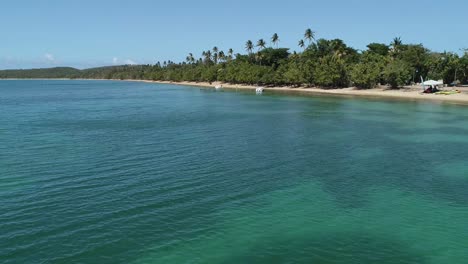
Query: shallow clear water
x=124, y=172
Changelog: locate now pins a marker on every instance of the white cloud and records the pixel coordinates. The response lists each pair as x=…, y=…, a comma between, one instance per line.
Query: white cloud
x=49, y=57
x=130, y=62
x=117, y=61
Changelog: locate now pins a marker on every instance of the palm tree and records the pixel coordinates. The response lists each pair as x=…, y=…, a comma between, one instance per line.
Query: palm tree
x=215, y=54
x=249, y=46
x=396, y=43
x=230, y=53
x=190, y=58
x=261, y=44
x=207, y=55
x=338, y=47
x=275, y=39
x=309, y=35
x=301, y=43
x=221, y=56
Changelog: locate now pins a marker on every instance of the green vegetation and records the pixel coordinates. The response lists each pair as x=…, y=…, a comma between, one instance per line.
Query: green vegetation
x=59, y=72
x=323, y=63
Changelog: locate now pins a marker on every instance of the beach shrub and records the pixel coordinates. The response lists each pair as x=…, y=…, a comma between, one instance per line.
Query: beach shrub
x=330, y=71
x=451, y=67
x=365, y=75
x=294, y=74
x=415, y=56
x=209, y=74
x=397, y=73
x=463, y=73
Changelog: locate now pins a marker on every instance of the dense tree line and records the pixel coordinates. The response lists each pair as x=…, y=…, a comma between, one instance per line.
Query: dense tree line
x=59, y=72
x=323, y=63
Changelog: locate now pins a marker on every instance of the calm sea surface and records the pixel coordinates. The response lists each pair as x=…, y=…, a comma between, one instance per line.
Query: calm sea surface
x=125, y=172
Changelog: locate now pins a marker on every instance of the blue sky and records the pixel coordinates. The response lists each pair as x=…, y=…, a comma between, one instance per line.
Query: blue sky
x=85, y=33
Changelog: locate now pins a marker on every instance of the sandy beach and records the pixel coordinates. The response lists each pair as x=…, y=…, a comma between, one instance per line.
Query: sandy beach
x=412, y=93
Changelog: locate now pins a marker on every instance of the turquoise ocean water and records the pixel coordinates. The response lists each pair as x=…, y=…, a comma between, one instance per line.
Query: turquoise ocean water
x=125, y=172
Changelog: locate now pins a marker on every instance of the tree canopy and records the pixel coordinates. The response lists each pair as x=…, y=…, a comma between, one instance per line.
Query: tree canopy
x=321, y=62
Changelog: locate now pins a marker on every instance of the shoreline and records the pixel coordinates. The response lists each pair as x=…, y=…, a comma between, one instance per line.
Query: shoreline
x=406, y=94
x=410, y=93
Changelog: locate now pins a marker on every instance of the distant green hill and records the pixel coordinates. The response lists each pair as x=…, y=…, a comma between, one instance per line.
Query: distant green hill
x=108, y=72
x=57, y=72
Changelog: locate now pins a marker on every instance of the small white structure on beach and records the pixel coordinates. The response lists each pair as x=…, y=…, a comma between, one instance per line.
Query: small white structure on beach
x=259, y=90
x=218, y=87
x=433, y=83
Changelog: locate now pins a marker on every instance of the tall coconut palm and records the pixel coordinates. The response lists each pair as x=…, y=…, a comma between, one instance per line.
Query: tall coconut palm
x=249, y=46
x=203, y=55
x=261, y=44
x=207, y=55
x=221, y=56
x=190, y=58
x=230, y=53
x=215, y=54
x=309, y=35
x=396, y=43
x=275, y=39
x=301, y=43
x=338, y=48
